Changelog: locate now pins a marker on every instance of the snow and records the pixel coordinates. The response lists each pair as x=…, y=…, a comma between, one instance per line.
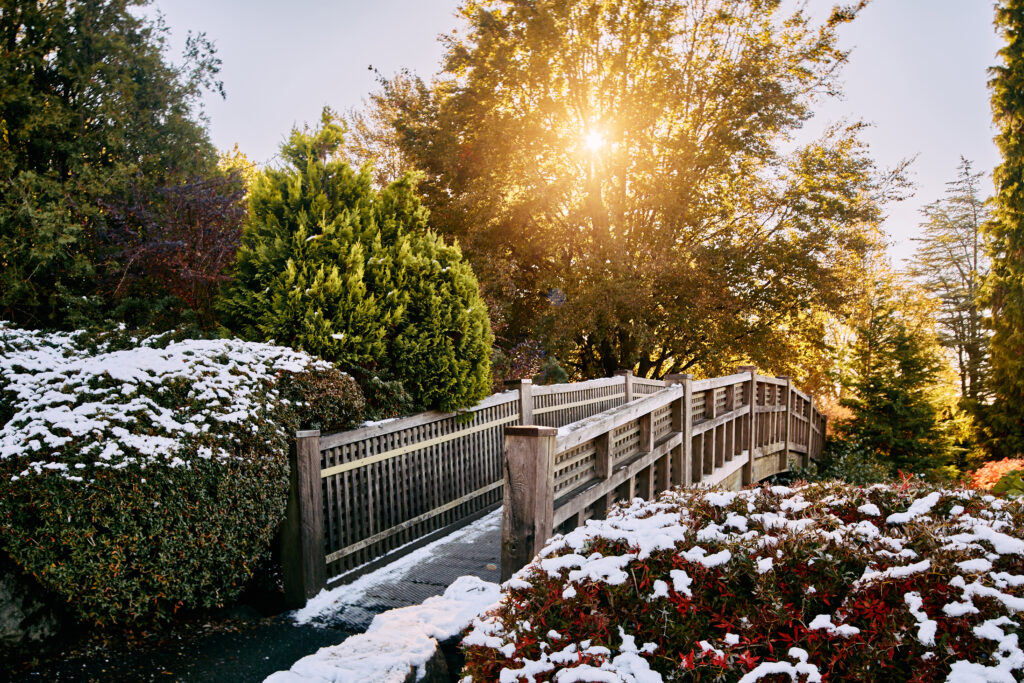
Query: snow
x=322, y=605
x=869, y=509
x=926, y=627
x=794, y=671
x=709, y=533
x=824, y=621
x=919, y=507
x=398, y=641
x=97, y=399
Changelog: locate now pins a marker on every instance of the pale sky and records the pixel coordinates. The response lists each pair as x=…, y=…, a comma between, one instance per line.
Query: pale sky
x=917, y=72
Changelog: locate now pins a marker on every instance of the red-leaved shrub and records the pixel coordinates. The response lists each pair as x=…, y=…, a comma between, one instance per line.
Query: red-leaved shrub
x=986, y=476
x=826, y=582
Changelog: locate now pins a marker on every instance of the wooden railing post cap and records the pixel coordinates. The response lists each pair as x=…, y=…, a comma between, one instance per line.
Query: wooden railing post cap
x=746, y=368
x=677, y=377
x=518, y=382
x=307, y=433
x=530, y=430
x=620, y=373
x=783, y=377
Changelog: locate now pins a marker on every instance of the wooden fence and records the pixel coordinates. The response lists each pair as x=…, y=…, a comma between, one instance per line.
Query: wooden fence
x=728, y=431
x=358, y=495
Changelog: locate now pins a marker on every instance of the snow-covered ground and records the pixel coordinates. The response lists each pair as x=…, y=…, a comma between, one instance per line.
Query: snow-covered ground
x=400, y=640
x=324, y=608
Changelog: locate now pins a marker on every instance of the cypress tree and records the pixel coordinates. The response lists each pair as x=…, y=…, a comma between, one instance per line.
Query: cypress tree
x=330, y=265
x=1004, y=295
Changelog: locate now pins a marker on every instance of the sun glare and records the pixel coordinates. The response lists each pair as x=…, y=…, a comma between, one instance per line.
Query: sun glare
x=594, y=140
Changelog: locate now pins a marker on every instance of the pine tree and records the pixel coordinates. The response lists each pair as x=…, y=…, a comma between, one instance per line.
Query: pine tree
x=333, y=266
x=1004, y=294
x=896, y=368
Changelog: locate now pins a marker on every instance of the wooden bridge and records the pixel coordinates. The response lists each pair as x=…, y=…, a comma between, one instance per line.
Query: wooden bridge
x=556, y=455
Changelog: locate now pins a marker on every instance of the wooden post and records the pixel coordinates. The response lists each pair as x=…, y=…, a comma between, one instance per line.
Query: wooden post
x=646, y=433
x=748, y=467
x=627, y=379
x=661, y=467
x=603, y=448
x=824, y=430
x=810, y=435
x=525, y=388
x=784, y=458
x=303, y=563
x=645, y=483
x=682, y=458
x=529, y=496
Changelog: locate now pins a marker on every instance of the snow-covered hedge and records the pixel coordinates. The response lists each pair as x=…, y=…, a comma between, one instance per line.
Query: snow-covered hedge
x=825, y=582
x=138, y=476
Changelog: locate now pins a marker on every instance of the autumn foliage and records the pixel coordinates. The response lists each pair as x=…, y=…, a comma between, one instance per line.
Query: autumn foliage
x=985, y=477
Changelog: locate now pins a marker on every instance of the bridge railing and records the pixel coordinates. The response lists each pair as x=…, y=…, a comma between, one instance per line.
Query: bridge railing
x=359, y=495
x=727, y=431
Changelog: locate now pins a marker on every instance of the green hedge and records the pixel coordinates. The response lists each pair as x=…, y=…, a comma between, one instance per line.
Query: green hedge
x=142, y=476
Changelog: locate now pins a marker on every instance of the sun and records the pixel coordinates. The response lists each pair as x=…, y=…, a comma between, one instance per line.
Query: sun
x=593, y=140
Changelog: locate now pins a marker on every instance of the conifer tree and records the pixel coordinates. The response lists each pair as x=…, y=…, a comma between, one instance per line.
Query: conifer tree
x=333, y=266
x=894, y=386
x=951, y=264
x=91, y=111
x=1005, y=286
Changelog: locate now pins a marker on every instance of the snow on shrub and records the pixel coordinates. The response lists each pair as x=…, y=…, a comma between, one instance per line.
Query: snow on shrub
x=138, y=476
x=825, y=582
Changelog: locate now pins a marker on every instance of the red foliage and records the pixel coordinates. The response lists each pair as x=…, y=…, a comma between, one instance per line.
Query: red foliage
x=179, y=239
x=986, y=476
x=795, y=556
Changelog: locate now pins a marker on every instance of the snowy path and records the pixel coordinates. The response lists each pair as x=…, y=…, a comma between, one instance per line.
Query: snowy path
x=473, y=550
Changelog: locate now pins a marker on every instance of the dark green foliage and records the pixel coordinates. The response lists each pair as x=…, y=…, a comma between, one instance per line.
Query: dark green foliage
x=895, y=413
x=333, y=266
x=87, y=103
x=845, y=461
x=328, y=400
x=551, y=372
x=1004, y=293
x=137, y=545
x=384, y=398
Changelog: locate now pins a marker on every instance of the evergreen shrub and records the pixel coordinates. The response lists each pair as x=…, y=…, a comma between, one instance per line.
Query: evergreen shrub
x=333, y=266
x=823, y=582
x=845, y=460
x=139, y=476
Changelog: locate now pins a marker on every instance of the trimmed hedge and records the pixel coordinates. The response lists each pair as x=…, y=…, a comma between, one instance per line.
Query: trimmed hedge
x=825, y=582
x=141, y=476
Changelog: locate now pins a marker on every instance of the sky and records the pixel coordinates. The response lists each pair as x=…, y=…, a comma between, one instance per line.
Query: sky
x=917, y=72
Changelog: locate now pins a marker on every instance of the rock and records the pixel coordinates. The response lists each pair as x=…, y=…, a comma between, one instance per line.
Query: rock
x=25, y=615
